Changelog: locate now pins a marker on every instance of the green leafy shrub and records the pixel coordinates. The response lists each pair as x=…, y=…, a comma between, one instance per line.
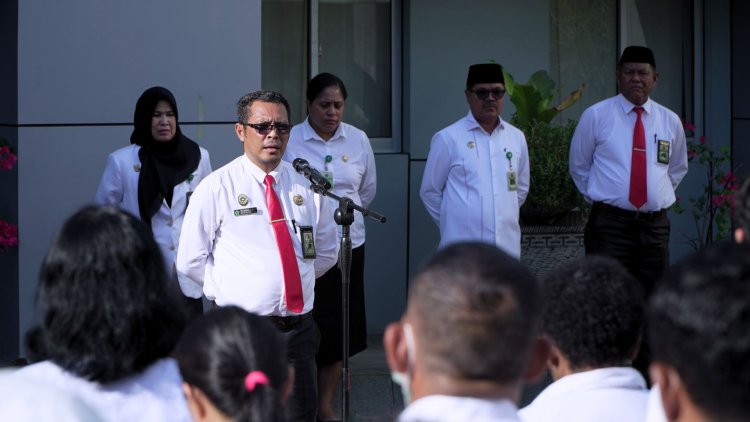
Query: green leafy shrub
x=552, y=194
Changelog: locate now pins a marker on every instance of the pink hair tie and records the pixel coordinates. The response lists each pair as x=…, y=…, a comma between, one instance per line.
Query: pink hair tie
x=254, y=378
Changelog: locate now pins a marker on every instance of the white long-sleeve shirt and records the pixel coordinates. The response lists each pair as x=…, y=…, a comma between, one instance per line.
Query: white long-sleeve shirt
x=601, y=153
x=605, y=394
x=119, y=187
x=228, y=248
x=352, y=165
x=465, y=184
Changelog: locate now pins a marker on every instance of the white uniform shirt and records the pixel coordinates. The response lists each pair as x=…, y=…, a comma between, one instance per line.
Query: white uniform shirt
x=437, y=408
x=605, y=394
x=228, y=248
x=152, y=395
x=655, y=410
x=352, y=165
x=465, y=184
x=601, y=151
x=119, y=187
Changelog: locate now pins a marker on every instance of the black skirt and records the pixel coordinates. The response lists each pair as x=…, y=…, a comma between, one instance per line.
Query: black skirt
x=327, y=311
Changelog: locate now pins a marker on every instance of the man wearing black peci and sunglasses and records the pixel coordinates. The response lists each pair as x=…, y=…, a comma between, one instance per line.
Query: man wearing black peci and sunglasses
x=477, y=172
x=256, y=236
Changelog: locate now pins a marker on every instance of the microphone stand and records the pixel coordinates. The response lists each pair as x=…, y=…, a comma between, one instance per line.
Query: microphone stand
x=344, y=216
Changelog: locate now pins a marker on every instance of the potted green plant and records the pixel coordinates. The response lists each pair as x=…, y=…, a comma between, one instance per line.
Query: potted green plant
x=552, y=195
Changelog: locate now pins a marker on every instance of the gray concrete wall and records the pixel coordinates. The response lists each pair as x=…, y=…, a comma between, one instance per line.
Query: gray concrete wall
x=82, y=66
x=740, y=12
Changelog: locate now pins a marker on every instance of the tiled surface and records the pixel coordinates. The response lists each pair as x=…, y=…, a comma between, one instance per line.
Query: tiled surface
x=372, y=395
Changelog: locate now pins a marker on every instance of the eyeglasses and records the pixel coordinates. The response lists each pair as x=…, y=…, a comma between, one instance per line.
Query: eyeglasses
x=483, y=93
x=266, y=128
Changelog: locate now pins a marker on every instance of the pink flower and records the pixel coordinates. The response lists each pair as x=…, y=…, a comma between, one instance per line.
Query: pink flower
x=692, y=154
x=703, y=139
x=8, y=235
x=7, y=158
x=690, y=127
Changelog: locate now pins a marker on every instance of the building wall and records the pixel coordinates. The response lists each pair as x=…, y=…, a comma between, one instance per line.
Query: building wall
x=81, y=67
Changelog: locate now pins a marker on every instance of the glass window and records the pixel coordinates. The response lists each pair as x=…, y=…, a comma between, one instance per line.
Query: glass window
x=353, y=39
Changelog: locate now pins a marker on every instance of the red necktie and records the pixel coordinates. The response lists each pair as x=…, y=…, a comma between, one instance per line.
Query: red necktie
x=292, y=282
x=638, y=191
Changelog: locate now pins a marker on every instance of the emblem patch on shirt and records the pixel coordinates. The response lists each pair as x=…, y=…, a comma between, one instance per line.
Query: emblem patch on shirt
x=137, y=168
x=242, y=199
x=470, y=144
x=298, y=199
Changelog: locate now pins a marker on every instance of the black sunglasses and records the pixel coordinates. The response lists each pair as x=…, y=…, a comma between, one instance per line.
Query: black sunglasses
x=483, y=93
x=266, y=128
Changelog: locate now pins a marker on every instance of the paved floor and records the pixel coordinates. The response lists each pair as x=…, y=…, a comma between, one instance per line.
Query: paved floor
x=372, y=395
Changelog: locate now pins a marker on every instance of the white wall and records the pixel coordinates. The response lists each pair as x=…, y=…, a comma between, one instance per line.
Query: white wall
x=82, y=64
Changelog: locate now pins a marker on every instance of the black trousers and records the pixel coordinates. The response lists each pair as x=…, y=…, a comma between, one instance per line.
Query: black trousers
x=640, y=241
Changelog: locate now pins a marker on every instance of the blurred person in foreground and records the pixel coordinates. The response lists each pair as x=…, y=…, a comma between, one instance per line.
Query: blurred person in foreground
x=108, y=320
x=234, y=368
x=699, y=321
x=593, y=320
x=469, y=337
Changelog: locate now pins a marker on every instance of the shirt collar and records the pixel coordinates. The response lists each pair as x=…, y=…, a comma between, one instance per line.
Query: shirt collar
x=471, y=123
x=627, y=106
x=309, y=134
x=260, y=175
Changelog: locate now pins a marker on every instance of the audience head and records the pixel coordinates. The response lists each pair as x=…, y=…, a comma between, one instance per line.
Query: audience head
x=106, y=309
x=233, y=364
x=742, y=212
x=699, y=332
x=472, y=318
x=593, y=315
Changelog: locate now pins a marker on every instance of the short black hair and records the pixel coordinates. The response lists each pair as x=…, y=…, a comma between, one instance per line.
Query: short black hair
x=107, y=312
x=265, y=96
x=593, y=312
x=219, y=349
x=699, y=323
x=478, y=312
x=322, y=81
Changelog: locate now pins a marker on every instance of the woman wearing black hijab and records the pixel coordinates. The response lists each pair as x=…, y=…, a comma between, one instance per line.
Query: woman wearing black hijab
x=154, y=177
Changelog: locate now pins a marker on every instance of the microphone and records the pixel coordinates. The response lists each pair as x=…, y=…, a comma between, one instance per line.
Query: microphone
x=303, y=167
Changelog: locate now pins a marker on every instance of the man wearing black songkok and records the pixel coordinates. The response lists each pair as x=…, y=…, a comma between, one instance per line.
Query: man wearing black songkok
x=477, y=172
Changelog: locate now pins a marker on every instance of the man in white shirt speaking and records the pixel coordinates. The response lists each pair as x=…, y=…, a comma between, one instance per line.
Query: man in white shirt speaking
x=256, y=236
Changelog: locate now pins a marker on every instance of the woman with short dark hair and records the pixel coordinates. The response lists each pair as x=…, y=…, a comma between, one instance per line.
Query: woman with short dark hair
x=108, y=321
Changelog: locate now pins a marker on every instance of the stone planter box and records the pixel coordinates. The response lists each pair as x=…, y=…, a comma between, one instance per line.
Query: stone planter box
x=545, y=247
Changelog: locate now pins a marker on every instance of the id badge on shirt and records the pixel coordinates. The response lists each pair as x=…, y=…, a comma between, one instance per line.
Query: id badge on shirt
x=663, y=155
x=512, y=184
x=329, y=176
x=308, y=242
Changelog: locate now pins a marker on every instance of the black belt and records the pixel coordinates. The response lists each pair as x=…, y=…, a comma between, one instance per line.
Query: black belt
x=288, y=323
x=633, y=215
